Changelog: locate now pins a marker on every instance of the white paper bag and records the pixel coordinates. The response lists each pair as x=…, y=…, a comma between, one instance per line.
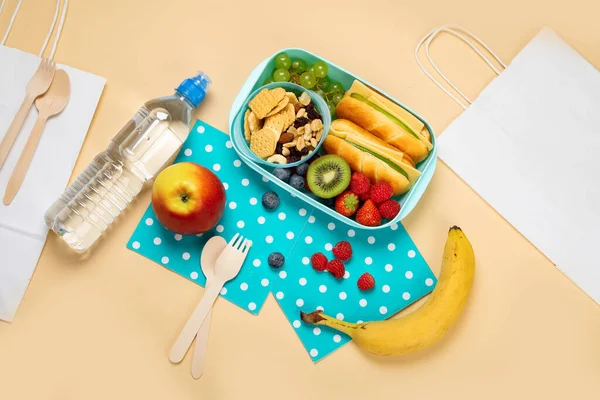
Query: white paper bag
x=22, y=229
x=529, y=146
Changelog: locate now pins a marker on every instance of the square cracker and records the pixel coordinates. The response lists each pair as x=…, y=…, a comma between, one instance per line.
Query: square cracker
x=247, y=132
x=275, y=122
x=289, y=116
x=264, y=142
x=263, y=103
x=278, y=93
x=292, y=97
x=282, y=104
x=254, y=123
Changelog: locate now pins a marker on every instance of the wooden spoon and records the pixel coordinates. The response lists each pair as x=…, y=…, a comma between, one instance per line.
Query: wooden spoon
x=212, y=250
x=49, y=105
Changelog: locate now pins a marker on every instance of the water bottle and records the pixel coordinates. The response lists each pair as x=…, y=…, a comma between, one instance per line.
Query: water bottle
x=148, y=143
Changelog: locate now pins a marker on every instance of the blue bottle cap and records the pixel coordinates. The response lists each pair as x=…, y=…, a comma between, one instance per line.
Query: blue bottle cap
x=194, y=89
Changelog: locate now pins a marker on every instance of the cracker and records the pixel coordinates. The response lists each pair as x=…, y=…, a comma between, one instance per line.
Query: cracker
x=254, y=123
x=263, y=103
x=282, y=104
x=264, y=142
x=289, y=116
x=275, y=122
x=247, y=132
x=292, y=97
x=278, y=94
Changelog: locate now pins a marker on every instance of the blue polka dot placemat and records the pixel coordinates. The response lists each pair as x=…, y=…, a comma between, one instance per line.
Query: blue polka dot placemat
x=401, y=277
x=244, y=213
x=297, y=230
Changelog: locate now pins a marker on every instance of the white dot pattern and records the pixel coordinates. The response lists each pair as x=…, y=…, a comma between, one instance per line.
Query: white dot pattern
x=297, y=231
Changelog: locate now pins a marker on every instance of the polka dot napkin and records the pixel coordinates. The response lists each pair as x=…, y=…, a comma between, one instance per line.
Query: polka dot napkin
x=297, y=230
x=244, y=214
x=401, y=277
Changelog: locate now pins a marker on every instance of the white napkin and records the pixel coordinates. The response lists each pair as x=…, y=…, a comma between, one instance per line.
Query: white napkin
x=529, y=145
x=22, y=228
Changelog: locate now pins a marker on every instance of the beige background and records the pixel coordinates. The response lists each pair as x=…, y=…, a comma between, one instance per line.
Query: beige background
x=101, y=327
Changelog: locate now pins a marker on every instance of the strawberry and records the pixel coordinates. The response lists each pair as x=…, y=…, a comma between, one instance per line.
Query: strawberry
x=389, y=209
x=319, y=262
x=336, y=268
x=346, y=203
x=381, y=192
x=342, y=250
x=359, y=183
x=366, y=282
x=368, y=215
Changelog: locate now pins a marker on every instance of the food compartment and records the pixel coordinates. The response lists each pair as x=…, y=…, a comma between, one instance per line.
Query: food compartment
x=425, y=168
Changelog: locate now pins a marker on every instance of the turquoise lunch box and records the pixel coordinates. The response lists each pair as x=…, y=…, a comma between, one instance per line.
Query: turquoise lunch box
x=255, y=80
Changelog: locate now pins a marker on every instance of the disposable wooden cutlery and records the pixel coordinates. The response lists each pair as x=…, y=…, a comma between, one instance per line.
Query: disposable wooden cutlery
x=211, y=252
x=37, y=86
x=227, y=267
x=49, y=105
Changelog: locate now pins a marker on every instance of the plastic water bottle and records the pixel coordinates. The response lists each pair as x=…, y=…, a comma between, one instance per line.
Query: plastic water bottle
x=148, y=143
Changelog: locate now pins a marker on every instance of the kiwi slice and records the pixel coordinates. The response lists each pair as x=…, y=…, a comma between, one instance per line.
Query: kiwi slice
x=385, y=112
x=328, y=176
x=394, y=166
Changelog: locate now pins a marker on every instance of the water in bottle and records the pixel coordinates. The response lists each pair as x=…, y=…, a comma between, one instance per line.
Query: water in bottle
x=147, y=143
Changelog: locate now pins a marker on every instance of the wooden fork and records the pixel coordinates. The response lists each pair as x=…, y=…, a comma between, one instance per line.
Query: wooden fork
x=227, y=267
x=37, y=86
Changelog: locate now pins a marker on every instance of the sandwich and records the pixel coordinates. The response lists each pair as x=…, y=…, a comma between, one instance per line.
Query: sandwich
x=370, y=155
x=386, y=120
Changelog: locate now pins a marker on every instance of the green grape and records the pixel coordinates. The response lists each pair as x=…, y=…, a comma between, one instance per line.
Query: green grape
x=336, y=87
x=281, y=75
x=299, y=66
x=267, y=81
x=282, y=61
x=336, y=98
x=320, y=92
x=320, y=69
x=331, y=108
x=311, y=69
x=308, y=80
x=323, y=83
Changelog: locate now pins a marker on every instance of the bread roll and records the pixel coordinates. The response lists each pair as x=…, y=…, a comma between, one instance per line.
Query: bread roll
x=375, y=169
x=345, y=129
x=382, y=126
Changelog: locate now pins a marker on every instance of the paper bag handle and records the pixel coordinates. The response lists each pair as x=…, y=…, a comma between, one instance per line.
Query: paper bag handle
x=58, y=32
x=454, y=30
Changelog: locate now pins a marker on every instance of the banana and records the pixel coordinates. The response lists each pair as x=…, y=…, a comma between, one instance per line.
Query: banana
x=431, y=321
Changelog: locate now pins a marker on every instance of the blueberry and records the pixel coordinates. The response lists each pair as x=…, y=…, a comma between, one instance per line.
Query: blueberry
x=276, y=260
x=302, y=169
x=282, y=174
x=329, y=202
x=297, y=182
x=270, y=200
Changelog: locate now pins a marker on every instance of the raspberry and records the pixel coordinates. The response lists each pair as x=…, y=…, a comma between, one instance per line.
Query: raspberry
x=389, y=209
x=359, y=183
x=342, y=250
x=381, y=192
x=336, y=268
x=366, y=282
x=319, y=262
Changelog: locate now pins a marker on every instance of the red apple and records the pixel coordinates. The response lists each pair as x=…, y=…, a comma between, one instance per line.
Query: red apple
x=188, y=198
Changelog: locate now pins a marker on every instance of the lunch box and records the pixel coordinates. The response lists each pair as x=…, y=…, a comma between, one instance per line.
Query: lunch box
x=236, y=125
